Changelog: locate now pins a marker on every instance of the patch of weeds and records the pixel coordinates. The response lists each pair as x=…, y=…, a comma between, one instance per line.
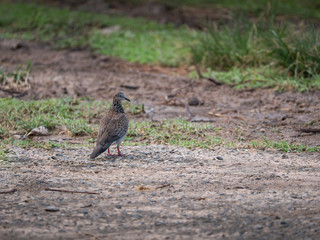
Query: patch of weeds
x=175, y=132
x=298, y=54
x=284, y=146
x=73, y=114
x=262, y=77
x=224, y=48
x=16, y=80
x=286, y=55
x=19, y=115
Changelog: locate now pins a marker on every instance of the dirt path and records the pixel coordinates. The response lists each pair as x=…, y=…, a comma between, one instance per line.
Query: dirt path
x=160, y=192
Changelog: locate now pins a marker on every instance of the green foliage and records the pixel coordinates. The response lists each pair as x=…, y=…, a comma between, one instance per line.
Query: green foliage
x=175, y=132
x=136, y=40
x=224, y=48
x=262, y=77
x=166, y=47
x=236, y=53
x=76, y=115
x=285, y=146
x=291, y=55
x=19, y=76
x=298, y=54
x=25, y=115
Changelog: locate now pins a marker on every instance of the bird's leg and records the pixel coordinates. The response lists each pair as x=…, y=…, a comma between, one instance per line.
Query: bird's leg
x=119, y=153
x=109, y=151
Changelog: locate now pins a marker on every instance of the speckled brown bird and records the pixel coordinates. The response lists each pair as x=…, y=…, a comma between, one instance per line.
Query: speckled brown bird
x=113, y=127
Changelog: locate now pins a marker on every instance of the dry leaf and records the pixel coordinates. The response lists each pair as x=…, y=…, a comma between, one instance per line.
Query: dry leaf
x=142, y=188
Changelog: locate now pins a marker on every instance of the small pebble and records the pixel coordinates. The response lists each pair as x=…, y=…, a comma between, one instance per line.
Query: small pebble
x=194, y=101
x=284, y=156
x=220, y=158
x=52, y=209
x=259, y=227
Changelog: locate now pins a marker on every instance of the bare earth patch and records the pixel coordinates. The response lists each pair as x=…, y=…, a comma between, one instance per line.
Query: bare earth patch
x=160, y=192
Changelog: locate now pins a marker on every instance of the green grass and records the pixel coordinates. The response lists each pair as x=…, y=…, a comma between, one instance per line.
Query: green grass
x=25, y=115
x=176, y=132
x=164, y=47
x=77, y=116
x=263, y=43
x=137, y=39
x=267, y=77
x=283, y=146
x=244, y=53
x=18, y=77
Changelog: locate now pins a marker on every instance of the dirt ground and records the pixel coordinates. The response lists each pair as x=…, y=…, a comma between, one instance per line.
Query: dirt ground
x=161, y=192
x=164, y=92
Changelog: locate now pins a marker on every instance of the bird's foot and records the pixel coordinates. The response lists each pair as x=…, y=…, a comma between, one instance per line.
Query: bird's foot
x=119, y=153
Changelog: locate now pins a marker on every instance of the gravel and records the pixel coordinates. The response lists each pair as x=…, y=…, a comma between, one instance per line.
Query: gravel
x=160, y=192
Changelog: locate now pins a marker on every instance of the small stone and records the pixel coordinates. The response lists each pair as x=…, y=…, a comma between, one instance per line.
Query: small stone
x=39, y=131
x=194, y=101
x=284, y=156
x=220, y=158
x=53, y=157
x=284, y=224
x=52, y=209
x=259, y=227
x=84, y=211
x=118, y=206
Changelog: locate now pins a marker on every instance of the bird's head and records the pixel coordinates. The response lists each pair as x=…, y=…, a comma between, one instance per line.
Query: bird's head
x=120, y=97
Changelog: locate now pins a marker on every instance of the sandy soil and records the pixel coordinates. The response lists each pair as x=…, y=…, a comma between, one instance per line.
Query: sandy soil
x=160, y=192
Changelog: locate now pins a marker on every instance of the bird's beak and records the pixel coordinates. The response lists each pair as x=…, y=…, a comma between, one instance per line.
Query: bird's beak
x=127, y=99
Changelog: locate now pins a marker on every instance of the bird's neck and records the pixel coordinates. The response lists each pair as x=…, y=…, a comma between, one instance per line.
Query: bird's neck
x=117, y=107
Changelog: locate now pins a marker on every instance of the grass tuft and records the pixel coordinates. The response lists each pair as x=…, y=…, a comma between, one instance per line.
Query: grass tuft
x=285, y=54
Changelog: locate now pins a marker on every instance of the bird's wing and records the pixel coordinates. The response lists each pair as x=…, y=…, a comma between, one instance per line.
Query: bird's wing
x=112, y=128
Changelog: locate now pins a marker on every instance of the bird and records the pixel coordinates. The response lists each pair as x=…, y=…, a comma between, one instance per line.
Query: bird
x=113, y=127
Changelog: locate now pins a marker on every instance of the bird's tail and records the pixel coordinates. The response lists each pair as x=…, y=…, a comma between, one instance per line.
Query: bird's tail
x=98, y=150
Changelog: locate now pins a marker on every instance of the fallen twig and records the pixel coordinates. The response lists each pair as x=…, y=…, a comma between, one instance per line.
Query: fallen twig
x=69, y=191
x=130, y=87
x=211, y=79
x=163, y=186
x=8, y=191
x=310, y=130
